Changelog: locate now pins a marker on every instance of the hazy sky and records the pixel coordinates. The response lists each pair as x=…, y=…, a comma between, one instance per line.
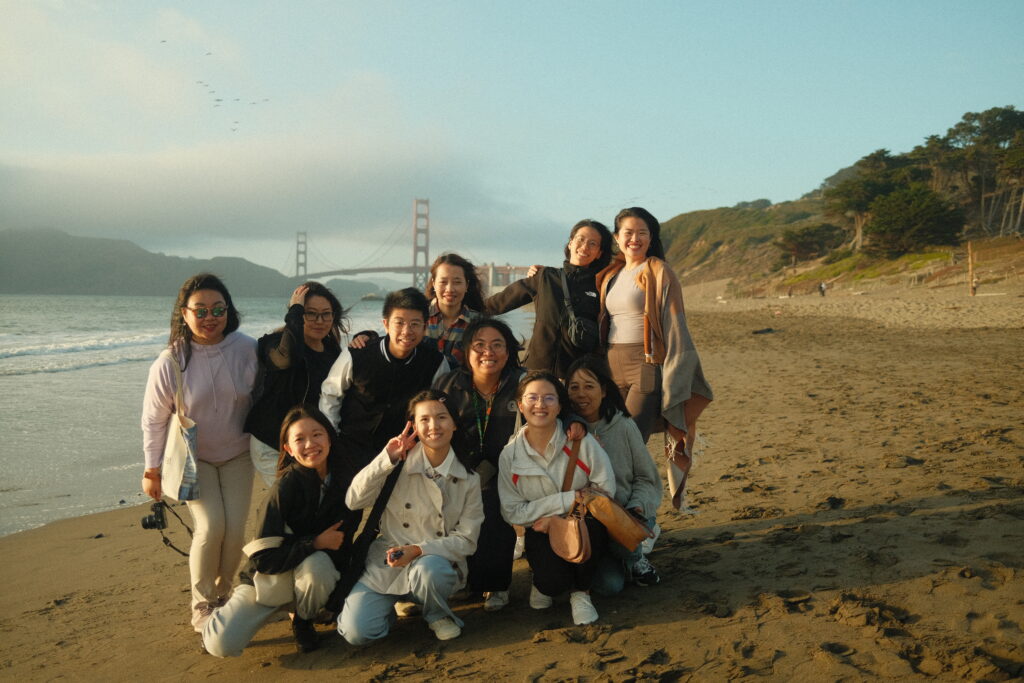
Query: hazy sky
x=222, y=128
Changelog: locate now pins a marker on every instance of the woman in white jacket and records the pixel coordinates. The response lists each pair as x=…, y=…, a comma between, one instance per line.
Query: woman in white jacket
x=429, y=527
x=531, y=470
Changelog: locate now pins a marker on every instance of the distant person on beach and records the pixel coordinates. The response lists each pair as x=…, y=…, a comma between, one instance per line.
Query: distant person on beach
x=293, y=363
x=303, y=538
x=456, y=299
x=595, y=398
x=367, y=389
x=821, y=288
x=586, y=253
x=650, y=352
x=531, y=475
x=429, y=527
x=218, y=368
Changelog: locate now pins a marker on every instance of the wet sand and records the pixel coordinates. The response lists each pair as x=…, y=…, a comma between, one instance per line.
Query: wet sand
x=858, y=515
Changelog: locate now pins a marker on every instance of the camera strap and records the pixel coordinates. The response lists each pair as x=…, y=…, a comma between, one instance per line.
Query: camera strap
x=167, y=541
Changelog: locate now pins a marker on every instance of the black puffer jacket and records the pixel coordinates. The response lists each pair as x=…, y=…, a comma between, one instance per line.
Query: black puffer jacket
x=472, y=413
x=289, y=374
x=549, y=349
x=294, y=502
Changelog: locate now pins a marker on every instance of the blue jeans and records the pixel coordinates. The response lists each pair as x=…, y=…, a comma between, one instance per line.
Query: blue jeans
x=613, y=567
x=368, y=615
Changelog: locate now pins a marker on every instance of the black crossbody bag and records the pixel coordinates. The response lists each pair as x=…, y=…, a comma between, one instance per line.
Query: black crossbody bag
x=581, y=332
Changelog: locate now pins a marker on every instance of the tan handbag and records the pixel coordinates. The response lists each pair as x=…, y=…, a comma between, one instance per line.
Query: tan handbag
x=568, y=534
x=622, y=526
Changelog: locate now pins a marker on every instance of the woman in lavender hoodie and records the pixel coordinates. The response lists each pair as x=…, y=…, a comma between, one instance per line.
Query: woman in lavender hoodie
x=218, y=370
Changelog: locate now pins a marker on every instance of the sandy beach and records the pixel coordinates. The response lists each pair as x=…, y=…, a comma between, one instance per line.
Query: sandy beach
x=858, y=515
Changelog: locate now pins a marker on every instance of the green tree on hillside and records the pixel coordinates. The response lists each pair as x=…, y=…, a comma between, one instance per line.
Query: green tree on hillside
x=912, y=217
x=853, y=196
x=809, y=242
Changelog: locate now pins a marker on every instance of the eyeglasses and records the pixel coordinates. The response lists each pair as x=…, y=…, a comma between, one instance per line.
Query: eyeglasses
x=534, y=399
x=493, y=347
x=201, y=312
x=584, y=242
x=313, y=316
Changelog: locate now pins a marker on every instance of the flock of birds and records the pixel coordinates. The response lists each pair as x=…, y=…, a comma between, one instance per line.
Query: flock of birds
x=220, y=101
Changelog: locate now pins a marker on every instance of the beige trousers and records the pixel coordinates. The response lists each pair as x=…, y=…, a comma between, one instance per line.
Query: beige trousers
x=225, y=490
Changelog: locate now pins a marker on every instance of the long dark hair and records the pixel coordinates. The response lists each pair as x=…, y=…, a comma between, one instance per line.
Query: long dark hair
x=606, y=242
x=181, y=335
x=340, y=326
x=458, y=445
x=563, y=395
x=474, y=299
x=511, y=343
x=284, y=459
x=656, y=248
x=612, y=402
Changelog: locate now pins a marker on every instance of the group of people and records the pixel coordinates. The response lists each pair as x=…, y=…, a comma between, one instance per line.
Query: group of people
x=454, y=448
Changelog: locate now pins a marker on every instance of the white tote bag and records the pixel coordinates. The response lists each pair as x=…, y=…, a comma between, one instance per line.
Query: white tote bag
x=179, y=477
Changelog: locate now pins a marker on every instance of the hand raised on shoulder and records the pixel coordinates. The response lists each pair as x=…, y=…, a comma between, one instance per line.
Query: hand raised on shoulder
x=359, y=341
x=398, y=447
x=534, y=269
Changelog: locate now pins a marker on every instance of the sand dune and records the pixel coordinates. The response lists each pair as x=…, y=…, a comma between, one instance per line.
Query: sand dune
x=858, y=515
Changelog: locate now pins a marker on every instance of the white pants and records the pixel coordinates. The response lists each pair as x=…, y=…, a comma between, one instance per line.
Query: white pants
x=225, y=490
x=235, y=624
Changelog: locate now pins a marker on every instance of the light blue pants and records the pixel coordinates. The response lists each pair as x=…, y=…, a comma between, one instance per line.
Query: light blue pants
x=368, y=615
x=612, y=569
x=235, y=624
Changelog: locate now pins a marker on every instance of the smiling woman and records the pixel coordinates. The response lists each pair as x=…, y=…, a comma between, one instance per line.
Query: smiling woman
x=217, y=370
x=294, y=361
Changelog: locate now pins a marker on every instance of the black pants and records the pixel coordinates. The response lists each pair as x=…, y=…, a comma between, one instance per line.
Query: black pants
x=551, y=574
x=490, y=567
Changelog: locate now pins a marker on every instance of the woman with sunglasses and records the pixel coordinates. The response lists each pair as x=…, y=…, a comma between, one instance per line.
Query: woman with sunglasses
x=218, y=367
x=293, y=362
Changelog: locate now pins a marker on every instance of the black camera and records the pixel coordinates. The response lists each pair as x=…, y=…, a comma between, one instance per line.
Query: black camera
x=157, y=520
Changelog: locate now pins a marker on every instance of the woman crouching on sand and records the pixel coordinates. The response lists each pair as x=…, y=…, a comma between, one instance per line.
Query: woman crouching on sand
x=597, y=400
x=429, y=526
x=217, y=366
x=531, y=472
x=302, y=543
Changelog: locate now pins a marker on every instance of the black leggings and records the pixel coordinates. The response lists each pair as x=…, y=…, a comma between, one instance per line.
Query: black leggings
x=551, y=574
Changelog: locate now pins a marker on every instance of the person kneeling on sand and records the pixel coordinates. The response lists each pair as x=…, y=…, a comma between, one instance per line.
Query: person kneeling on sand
x=302, y=545
x=531, y=477
x=429, y=526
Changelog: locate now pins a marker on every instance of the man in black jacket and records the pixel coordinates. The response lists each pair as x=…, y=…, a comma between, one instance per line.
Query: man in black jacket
x=367, y=390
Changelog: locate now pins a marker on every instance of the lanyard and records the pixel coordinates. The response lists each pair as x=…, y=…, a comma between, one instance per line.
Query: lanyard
x=481, y=429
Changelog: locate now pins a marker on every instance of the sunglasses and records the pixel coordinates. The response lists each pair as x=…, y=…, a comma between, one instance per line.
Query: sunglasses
x=201, y=312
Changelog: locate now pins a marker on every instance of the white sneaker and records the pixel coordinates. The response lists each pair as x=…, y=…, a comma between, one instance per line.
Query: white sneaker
x=445, y=629
x=520, y=547
x=648, y=543
x=538, y=600
x=583, y=611
x=494, y=601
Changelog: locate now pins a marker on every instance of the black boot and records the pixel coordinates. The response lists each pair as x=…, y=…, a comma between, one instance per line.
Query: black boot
x=305, y=634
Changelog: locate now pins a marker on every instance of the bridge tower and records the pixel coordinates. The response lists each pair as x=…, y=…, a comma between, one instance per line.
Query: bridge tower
x=420, y=243
x=300, y=255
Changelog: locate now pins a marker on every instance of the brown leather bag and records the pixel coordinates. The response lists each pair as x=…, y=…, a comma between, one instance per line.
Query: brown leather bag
x=622, y=526
x=568, y=533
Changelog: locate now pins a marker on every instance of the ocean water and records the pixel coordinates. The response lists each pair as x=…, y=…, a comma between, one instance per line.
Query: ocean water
x=72, y=374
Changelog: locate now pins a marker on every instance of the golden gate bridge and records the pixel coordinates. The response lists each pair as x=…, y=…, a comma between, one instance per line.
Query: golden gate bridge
x=492, y=276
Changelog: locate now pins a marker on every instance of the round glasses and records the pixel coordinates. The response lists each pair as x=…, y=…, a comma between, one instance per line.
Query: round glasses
x=535, y=399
